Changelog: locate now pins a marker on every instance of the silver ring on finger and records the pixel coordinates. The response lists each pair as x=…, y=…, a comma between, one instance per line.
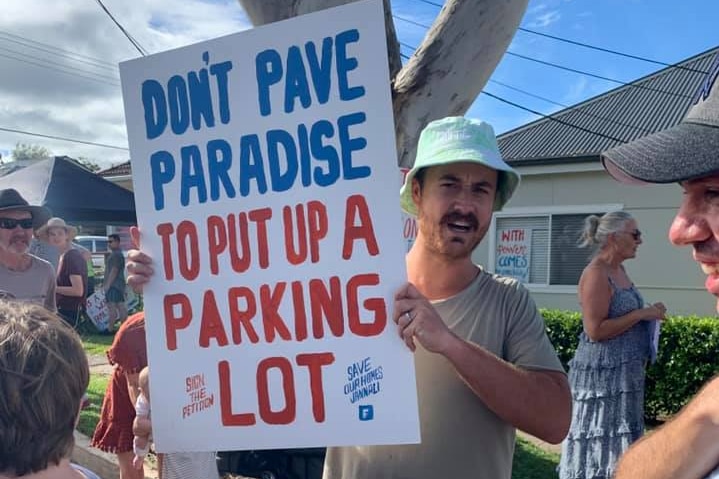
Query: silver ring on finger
x=409, y=317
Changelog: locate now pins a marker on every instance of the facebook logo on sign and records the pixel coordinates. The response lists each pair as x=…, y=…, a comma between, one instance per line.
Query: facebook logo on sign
x=366, y=413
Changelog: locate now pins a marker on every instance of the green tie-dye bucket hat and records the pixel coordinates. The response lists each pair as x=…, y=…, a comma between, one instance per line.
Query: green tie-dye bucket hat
x=457, y=139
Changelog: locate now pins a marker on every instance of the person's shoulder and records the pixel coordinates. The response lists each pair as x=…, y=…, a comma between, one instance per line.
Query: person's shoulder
x=40, y=262
x=79, y=247
x=501, y=282
x=134, y=321
x=85, y=472
x=131, y=332
x=594, y=272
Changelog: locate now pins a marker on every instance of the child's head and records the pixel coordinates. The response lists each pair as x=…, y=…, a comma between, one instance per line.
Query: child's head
x=144, y=381
x=43, y=375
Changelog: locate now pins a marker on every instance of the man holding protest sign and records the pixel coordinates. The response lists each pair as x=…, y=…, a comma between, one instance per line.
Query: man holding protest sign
x=484, y=362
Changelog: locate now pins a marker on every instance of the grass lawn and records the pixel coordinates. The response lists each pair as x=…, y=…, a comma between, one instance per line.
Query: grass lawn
x=530, y=462
x=90, y=416
x=96, y=344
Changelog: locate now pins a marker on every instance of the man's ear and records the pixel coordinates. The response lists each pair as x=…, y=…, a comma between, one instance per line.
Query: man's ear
x=416, y=192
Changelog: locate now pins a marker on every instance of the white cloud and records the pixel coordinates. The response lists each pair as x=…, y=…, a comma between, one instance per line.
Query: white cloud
x=536, y=8
x=38, y=98
x=545, y=19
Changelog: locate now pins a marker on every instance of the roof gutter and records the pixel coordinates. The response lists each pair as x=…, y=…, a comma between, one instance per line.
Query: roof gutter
x=547, y=161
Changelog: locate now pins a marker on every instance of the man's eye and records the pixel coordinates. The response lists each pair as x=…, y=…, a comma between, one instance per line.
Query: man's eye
x=711, y=194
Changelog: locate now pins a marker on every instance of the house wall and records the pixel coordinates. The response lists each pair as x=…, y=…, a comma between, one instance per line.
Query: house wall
x=661, y=271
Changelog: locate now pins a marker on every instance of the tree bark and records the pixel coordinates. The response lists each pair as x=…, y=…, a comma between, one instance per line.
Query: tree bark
x=447, y=71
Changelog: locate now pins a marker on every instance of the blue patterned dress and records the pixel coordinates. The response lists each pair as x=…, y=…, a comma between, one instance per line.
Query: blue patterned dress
x=607, y=382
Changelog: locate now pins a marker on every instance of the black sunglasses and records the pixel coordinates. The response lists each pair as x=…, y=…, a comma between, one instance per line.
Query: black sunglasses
x=11, y=223
x=636, y=234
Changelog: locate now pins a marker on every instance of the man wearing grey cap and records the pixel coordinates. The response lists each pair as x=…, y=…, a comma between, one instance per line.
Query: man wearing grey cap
x=484, y=363
x=23, y=276
x=688, y=154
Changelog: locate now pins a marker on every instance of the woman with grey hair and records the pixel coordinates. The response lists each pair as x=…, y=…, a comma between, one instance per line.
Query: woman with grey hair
x=607, y=372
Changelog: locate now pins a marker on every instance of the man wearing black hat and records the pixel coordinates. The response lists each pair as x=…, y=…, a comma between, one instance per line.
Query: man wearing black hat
x=688, y=154
x=22, y=275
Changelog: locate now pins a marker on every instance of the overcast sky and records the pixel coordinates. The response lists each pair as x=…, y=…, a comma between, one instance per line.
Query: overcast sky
x=59, y=77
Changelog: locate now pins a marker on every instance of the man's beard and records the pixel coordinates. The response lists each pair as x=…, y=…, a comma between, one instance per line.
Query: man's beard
x=452, y=248
x=18, y=244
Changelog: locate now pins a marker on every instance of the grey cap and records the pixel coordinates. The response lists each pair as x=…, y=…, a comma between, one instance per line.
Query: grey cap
x=686, y=151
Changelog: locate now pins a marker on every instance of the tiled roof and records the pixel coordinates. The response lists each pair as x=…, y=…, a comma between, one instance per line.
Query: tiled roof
x=647, y=105
x=122, y=169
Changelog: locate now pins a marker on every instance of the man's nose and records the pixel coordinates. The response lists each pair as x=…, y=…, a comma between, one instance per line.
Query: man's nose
x=465, y=197
x=689, y=226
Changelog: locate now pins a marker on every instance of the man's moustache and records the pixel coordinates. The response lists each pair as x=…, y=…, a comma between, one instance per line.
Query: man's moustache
x=707, y=248
x=460, y=218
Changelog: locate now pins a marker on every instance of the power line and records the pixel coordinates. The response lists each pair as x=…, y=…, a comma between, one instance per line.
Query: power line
x=516, y=105
x=61, y=138
x=42, y=65
x=572, y=108
x=431, y=3
x=549, y=117
x=582, y=72
x=562, y=67
x=132, y=40
x=587, y=45
x=78, y=57
x=412, y=22
x=606, y=50
x=62, y=65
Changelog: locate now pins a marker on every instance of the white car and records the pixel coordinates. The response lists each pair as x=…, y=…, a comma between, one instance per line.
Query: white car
x=97, y=245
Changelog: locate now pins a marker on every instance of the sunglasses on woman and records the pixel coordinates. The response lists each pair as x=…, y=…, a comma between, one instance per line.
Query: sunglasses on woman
x=12, y=223
x=636, y=234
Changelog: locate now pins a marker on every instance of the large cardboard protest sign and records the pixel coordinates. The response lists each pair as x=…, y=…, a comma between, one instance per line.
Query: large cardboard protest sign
x=266, y=182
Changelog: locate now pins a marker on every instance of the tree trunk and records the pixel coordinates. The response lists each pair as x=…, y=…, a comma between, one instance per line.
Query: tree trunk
x=448, y=70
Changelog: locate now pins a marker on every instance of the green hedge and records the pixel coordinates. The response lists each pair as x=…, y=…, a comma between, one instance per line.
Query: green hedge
x=688, y=357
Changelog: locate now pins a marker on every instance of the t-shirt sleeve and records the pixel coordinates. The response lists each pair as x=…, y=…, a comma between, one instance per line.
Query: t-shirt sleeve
x=527, y=344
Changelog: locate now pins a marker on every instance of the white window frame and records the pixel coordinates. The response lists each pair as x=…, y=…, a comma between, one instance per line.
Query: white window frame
x=544, y=211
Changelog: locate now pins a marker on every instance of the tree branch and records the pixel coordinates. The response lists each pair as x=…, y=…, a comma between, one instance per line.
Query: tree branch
x=450, y=68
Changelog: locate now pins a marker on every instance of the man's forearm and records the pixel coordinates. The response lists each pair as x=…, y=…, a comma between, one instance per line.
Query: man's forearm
x=686, y=448
x=537, y=402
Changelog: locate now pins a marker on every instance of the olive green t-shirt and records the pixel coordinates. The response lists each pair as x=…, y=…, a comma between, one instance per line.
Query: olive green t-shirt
x=461, y=437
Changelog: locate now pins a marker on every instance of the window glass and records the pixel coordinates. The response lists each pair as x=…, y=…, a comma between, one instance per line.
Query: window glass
x=568, y=259
x=553, y=256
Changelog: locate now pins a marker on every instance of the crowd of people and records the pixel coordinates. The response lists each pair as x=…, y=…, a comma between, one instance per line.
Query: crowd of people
x=485, y=366
x=43, y=368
